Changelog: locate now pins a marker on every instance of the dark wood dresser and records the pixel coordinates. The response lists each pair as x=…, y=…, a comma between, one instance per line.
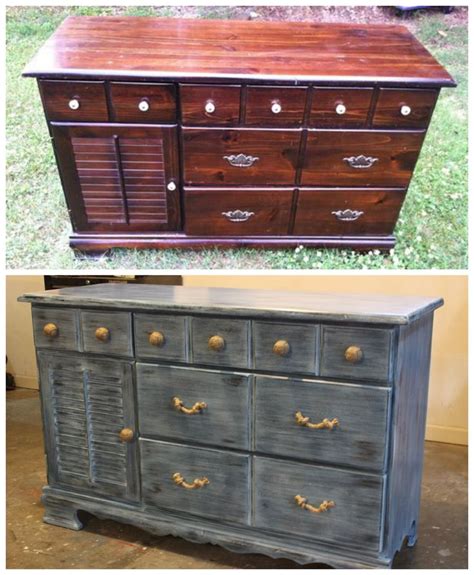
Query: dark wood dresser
x=289, y=424
x=173, y=132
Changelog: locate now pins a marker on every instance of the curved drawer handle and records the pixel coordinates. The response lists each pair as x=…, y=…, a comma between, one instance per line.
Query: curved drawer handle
x=361, y=162
x=196, y=408
x=238, y=215
x=196, y=484
x=303, y=503
x=241, y=160
x=347, y=215
x=324, y=424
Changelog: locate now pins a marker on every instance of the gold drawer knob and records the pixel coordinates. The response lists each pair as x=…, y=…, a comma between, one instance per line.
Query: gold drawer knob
x=324, y=424
x=156, y=338
x=51, y=330
x=196, y=408
x=354, y=354
x=102, y=334
x=281, y=347
x=216, y=343
x=196, y=484
x=303, y=503
x=126, y=435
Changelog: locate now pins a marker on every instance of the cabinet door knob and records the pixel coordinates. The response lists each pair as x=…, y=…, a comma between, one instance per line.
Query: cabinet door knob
x=324, y=424
x=303, y=503
x=405, y=110
x=216, y=343
x=171, y=186
x=210, y=107
x=196, y=484
x=126, y=435
x=156, y=338
x=143, y=106
x=354, y=354
x=74, y=104
x=281, y=347
x=276, y=107
x=51, y=330
x=340, y=109
x=102, y=334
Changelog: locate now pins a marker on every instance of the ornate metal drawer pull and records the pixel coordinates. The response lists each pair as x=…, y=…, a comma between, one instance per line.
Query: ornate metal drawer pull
x=196, y=484
x=347, y=215
x=241, y=160
x=238, y=215
x=324, y=424
x=361, y=162
x=196, y=408
x=303, y=503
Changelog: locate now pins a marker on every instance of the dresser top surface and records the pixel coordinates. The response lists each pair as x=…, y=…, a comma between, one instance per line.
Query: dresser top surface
x=365, y=308
x=144, y=47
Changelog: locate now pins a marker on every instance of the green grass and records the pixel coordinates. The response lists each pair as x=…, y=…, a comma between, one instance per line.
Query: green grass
x=432, y=230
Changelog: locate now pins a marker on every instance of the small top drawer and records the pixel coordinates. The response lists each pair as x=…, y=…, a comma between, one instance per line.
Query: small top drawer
x=356, y=353
x=340, y=107
x=404, y=108
x=74, y=101
x=270, y=106
x=107, y=333
x=210, y=105
x=55, y=328
x=160, y=336
x=219, y=341
x=147, y=103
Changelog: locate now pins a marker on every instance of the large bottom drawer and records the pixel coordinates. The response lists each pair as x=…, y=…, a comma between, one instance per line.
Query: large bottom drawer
x=319, y=503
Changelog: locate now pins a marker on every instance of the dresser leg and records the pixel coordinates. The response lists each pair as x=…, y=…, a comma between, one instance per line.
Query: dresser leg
x=413, y=535
x=61, y=513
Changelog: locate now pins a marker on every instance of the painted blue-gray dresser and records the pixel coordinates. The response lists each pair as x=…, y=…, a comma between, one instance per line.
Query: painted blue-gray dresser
x=283, y=423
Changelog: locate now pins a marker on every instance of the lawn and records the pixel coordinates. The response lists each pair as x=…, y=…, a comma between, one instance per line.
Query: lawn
x=431, y=232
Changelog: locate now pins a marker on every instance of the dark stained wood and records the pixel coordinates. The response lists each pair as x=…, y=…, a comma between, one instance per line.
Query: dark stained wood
x=56, y=96
x=319, y=211
x=226, y=100
x=144, y=47
x=261, y=99
x=390, y=101
x=325, y=101
x=126, y=97
x=264, y=212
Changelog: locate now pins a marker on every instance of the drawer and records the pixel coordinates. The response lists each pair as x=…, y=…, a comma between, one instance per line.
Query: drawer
x=356, y=353
x=230, y=212
x=74, y=101
x=147, y=103
x=107, y=333
x=285, y=347
x=220, y=480
x=370, y=158
x=160, y=336
x=340, y=107
x=347, y=212
x=220, y=341
x=404, y=108
x=194, y=405
x=55, y=328
x=357, y=439
x=289, y=493
x=274, y=106
x=210, y=105
x=240, y=156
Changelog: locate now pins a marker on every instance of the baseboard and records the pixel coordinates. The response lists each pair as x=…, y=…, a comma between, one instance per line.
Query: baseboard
x=26, y=381
x=444, y=434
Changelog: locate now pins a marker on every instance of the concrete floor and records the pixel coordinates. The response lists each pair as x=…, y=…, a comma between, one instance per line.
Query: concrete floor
x=442, y=540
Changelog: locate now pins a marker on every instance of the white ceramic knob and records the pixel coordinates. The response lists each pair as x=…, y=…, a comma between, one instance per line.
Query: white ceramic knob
x=210, y=107
x=276, y=108
x=171, y=186
x=405, y=110
x=340, y=109
x=143, y=106
x=74, y=104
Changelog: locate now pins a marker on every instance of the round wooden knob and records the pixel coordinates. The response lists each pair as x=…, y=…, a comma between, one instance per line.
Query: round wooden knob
x=102, y=334
x=216, y=343
x=353, y=354
x=156, y=338
x=126, y=435
x=51, y=330
x=281, y=347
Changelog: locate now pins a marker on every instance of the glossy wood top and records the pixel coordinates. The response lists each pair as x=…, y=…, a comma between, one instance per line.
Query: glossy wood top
x=143, y=47
x=369, y=308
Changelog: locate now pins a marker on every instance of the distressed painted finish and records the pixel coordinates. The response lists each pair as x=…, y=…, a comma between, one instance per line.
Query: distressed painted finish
x=119, y=326
x=66, y=322
x=173, y=329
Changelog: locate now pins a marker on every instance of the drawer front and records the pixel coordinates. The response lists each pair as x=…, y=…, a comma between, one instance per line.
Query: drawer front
x=290, y=419
x=230, y=212
x=143, y=103
x=355, y=519
x=210, y=105
x=347, y=212
x=240, y=156
x=160, y=336
x=194, y=405
x=356, y=353
x=55, y=328
x=340, y=107
x=270, y=106
x=285, y=347
x=107, y=333
x=222, y=480
x=404, y=108
x=370, y=158
x=74, y=101
x=218, y=341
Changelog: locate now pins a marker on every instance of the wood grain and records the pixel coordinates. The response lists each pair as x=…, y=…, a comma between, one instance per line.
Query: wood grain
x=56, y=96
x=174, y=330
x=325, y=101
x=390, y=101
x=258, y=107
x=64, y=319
x=226, y=100
x=126, y=96
x=119, y=324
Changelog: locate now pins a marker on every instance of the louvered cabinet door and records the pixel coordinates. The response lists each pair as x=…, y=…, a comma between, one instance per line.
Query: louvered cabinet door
x=119, y=178
x=86, y=403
